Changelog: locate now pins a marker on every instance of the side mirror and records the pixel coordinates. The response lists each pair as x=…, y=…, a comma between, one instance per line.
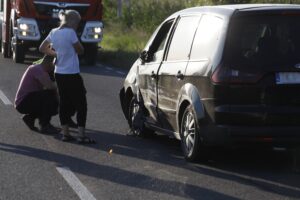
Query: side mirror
x=144, y=56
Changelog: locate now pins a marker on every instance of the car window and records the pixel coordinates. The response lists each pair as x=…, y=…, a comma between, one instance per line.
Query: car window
x=207, y=37
x=158, y=55
x=264, y=41
x=156, y=49
x=182, y=38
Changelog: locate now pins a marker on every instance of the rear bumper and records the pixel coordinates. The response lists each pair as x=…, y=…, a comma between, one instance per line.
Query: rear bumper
x=258, y=115
x=240, y=135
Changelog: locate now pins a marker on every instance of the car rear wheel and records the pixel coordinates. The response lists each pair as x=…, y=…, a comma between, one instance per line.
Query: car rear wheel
x=191, y=143
x=136, y=118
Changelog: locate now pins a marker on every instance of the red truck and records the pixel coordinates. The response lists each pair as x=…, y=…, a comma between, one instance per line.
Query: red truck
x=26, y=23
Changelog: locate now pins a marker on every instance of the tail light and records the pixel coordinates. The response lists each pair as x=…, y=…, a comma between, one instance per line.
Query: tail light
x=227, y=75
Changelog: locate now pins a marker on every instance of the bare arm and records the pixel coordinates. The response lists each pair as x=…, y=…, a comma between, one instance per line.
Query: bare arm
x=78, y=48
x=45, y=48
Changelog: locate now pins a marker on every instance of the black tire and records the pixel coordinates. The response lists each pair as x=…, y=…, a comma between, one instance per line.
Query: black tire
x=136, y=119
x=191, y=141
x=90, y=53
x=9, y=45
x=4, y=49
x=18, y=53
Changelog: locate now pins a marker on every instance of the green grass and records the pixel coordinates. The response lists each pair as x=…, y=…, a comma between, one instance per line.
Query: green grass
x=122, y=43
x=120, y=46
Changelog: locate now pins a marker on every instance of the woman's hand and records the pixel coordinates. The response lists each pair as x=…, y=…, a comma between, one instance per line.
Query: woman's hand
x=78, y=48
x=45, y=48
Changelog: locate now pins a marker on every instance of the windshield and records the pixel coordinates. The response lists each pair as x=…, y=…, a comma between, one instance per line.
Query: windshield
x=266, y=40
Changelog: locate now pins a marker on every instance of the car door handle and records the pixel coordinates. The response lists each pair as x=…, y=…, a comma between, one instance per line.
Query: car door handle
x=153, y=75
x=179, y=75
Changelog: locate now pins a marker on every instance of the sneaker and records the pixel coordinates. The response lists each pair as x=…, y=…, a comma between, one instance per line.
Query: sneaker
x=72, y=124
x=130, y=132
x=49, y=129
x=67, y=138
x=29, y=121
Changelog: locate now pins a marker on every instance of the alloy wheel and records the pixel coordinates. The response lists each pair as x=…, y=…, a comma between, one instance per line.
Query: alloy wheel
x=188, y=132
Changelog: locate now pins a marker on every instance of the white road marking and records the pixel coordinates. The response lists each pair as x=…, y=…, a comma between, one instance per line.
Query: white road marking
x=109, y=68
x=254, y=179
x=75, y=184
x=5, y=100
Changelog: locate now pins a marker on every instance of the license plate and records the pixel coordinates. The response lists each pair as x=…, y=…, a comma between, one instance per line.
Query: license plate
x=288, y=78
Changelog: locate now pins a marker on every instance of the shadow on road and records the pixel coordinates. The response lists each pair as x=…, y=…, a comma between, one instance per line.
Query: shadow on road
x=268, y=170
x=115, y=175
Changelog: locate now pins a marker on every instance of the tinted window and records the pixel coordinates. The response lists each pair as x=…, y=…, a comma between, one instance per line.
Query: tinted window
x=182, y=39
x=265, y=40
x=207, y=37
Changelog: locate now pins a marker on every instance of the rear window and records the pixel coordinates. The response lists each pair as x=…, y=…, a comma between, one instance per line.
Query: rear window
x=264, y=40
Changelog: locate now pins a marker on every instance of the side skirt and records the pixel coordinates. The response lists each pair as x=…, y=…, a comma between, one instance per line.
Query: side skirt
x=164, y=131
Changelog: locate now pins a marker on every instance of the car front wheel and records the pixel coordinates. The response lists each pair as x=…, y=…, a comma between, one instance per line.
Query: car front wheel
x=136, y=119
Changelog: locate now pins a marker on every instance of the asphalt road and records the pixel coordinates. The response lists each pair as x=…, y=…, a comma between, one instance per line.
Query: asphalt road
x=36, y=166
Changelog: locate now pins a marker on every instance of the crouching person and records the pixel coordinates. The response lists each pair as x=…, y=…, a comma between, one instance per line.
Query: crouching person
x=37, y=97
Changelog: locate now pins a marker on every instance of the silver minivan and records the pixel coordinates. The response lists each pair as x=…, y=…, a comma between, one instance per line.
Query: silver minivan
x=219, y=75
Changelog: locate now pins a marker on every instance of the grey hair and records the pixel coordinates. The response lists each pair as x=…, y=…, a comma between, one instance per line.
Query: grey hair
x=69, y=18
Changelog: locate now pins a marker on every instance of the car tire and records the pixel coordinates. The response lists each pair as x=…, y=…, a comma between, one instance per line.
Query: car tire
x=136, y=119
x=191, y=141
x=18, y=53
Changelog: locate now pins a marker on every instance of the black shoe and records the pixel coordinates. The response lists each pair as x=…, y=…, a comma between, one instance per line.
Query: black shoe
x=131, y=133
x=29, y=121
x=72, y=124
x=67, y=138
x=48, y=129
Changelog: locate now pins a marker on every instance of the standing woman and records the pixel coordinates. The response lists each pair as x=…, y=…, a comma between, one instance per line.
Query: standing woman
x=63, y=43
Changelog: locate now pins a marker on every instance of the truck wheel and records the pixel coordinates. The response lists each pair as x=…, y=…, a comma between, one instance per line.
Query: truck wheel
x=5, y=49
x=18, y=53
x=90, y=53
x=191, y=143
